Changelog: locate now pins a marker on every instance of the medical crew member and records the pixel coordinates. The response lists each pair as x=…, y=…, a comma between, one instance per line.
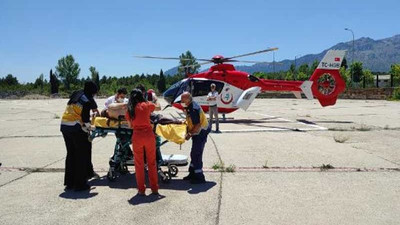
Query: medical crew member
x=198, y=130
x=119, y=97
x=143, y=140
x=75, y=126
x=213, y=108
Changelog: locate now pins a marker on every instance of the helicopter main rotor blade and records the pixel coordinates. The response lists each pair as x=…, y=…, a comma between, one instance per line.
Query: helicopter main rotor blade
x=253, y=53
x=246, y=61
x=169, y=58
x=191, y=66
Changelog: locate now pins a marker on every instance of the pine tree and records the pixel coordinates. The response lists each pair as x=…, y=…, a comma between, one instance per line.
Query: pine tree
x=95, y=76
x=161, y=86
x=54, y=83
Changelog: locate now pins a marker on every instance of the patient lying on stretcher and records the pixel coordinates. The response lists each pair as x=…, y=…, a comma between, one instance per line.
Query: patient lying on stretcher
x=170, y=129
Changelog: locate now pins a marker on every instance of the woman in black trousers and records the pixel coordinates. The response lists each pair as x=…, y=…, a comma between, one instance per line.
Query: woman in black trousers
x=75, y=126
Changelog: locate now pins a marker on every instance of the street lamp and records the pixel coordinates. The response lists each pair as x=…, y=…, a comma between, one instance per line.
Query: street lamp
x=295, y=65
x=352, y=58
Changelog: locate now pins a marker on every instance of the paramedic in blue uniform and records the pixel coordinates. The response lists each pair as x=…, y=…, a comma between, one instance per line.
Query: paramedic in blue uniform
x=198, y=130
x=75, y=126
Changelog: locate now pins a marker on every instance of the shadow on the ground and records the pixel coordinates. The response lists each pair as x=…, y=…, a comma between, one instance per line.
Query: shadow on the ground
x=249, y=121
x=69, y=194
x=140, y=199
x=128, y=181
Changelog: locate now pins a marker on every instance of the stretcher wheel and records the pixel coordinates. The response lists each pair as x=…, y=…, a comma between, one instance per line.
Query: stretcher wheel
x=166, y=178
x=124, y=169
x=173, y=170
x=111, y=175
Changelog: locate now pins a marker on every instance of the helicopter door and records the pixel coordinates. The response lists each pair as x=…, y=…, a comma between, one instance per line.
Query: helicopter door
x=247, y=97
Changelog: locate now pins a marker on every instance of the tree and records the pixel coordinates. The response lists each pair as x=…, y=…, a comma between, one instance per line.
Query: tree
x=302, y=76
x=39, y=83
x=356, y=69
x=188, y=64
x=9, y=80
x=368, y=77
x=344, y=63
x=289, y=75
x=103, y=79
x=95, y=76
x=395, y=72
x=161, y=85
x=314, y=66
x=54, y=83
x=345, y=74
x=292, y=68
x=68, y=70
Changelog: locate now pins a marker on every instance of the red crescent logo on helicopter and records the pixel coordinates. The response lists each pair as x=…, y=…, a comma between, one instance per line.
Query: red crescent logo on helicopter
x=227, y=95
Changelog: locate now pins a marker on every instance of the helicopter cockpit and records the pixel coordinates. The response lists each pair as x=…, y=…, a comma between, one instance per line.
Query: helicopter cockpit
x=197, y=87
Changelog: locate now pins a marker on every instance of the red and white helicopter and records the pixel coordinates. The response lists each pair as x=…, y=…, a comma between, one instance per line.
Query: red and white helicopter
x=238, y=89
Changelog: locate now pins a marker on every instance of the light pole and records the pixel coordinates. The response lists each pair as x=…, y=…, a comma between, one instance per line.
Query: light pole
x=352, y=58
x=295, y=65
x=273, y=60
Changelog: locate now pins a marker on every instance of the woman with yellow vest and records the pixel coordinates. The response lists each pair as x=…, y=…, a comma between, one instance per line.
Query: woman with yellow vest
x=198, y=130
x=75, y=126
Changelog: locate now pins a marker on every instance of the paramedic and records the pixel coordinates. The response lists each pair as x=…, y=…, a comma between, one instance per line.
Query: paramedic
x=75, y=126
x=213, y=108
x=198, y=130
x=119, y=97
x=149, y=95
x=143, y=140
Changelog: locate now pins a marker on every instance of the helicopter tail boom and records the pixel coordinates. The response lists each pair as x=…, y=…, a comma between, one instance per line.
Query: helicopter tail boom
x=325, y=83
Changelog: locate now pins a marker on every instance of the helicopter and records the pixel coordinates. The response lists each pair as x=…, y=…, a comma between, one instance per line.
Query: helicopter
x=237, y=89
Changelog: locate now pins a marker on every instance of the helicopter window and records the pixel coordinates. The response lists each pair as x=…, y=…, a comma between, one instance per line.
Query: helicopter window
x=202, y=87
x=253, y=78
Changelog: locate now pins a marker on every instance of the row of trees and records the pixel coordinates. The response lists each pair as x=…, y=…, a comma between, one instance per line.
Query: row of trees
x=66, y=77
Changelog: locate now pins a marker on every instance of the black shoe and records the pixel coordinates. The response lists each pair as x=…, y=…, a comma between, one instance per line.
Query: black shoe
x=188, y=177
x=82, y=188
x=218, y=131
x=68, y=188
x=94, y=176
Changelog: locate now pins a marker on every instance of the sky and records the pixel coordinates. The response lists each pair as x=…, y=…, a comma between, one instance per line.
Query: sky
x=34, y=35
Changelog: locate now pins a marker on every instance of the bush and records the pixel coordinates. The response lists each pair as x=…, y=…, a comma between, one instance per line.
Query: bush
x=396, y=94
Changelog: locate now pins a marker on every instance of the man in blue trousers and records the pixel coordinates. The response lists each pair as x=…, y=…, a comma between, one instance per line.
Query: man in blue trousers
x=198, y=130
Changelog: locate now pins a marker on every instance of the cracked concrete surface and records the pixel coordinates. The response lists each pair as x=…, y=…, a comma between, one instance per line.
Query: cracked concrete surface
x=278, y=147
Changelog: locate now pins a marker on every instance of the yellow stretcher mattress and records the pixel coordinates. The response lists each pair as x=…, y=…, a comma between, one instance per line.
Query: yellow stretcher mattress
x=172, y=132
x=105, y=122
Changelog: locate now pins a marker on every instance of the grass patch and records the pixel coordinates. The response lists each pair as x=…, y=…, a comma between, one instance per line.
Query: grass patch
x=326, y=167
x=340, y=138
x=56, y=116
x=339, y=129
x=219, y=166
x=265, y=166
x=363, y=127
x=230, y=169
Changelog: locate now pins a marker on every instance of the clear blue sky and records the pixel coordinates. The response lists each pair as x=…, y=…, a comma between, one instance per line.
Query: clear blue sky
x=106, y=34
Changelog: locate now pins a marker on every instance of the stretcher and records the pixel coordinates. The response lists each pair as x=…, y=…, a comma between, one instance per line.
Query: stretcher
x=123, y=156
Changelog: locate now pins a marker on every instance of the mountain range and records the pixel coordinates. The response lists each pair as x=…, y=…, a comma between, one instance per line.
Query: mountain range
x=376, y=55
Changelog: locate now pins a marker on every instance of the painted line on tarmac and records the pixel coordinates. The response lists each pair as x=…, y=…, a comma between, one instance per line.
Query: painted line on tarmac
x=30, y=136
x=238, y=169
x=306, y=169
x=314, y=126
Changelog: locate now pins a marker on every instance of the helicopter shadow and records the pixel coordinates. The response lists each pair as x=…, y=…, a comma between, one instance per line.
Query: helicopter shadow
x=128, y=181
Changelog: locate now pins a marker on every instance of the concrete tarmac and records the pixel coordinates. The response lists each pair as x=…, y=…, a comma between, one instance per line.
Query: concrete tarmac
x=294, y=162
